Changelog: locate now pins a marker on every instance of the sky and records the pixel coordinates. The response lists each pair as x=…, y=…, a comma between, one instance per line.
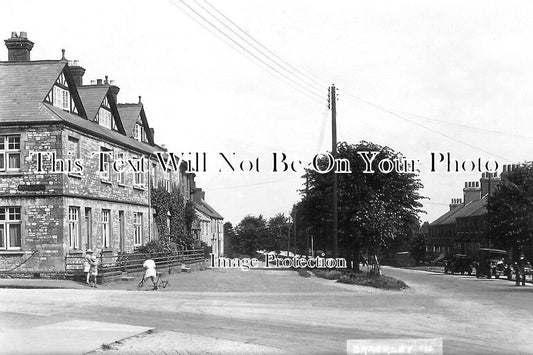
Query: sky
x=417, y=76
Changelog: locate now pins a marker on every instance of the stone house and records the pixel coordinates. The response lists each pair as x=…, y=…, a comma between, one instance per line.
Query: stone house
x=210, y=228
x=76, y=167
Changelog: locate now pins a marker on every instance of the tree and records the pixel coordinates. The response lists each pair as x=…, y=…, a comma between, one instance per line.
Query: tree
x=510, y=210
x=276, y=236
x=374, y=209
x=229, y=239
x=418, y=242
x=249, y=234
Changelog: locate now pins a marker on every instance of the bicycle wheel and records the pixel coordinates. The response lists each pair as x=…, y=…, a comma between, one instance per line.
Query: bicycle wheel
x=140, y=286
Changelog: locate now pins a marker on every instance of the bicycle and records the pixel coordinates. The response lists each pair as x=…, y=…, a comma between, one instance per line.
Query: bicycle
x=159, y=283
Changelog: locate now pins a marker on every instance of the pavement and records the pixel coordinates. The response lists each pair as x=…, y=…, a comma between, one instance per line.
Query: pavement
x=259, y=311
x=41, y=284
x=68, y=337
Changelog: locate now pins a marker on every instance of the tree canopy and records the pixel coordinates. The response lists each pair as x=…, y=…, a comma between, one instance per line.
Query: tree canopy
x=374, y=209
x=510, y=209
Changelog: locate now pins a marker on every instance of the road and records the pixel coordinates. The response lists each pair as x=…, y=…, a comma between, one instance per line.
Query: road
x=278, y=310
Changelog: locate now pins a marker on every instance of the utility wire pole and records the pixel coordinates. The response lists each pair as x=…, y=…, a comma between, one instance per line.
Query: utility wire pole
x=294, y=226
x=333, y=101
x=288, y=237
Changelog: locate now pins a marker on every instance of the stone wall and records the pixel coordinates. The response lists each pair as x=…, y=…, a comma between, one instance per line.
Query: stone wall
x=45, y=198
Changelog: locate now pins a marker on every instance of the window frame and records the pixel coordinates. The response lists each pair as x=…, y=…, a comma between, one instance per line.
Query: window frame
x=106, y=228
x=121, y=175
x=137, y=229
x=6, y=221
x=74, y=226
x=6, y=152
x=138, y=176
x=101, y=116
x=106, y=175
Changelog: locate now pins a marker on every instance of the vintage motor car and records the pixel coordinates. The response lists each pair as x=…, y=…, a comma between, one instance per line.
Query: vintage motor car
x=491, y=262
x=458, y=263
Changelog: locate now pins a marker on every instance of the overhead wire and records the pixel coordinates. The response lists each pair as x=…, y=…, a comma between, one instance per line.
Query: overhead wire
x=267, y=56
x=310, y=78
x=425, y=127
x=310, y=93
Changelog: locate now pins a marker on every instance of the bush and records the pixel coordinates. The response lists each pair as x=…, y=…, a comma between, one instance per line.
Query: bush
x=328, y=274
x=303, y=272
x=158, y=247
x=377, y=281
x=357, y=278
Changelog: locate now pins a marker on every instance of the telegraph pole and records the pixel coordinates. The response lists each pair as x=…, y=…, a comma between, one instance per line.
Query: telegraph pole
x=333, y=101
x=294, y=226
x=288, y=237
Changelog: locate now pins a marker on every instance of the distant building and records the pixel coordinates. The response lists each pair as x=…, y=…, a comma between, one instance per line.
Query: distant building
x=210, y=229
x=463, y=229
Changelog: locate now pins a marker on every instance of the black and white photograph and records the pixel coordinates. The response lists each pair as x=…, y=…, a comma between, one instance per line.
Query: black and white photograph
x=266, y=177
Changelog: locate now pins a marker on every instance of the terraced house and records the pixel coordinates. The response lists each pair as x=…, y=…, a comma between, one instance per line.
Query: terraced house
x=76, y=167
x=463, y=229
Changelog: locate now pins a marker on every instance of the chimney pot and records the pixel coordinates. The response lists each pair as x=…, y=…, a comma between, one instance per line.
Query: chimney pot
x=77, y=72
x=18, y=48
x=98, y=81
x=140, y=99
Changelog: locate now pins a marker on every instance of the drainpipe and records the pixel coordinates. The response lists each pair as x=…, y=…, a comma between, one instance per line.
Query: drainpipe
x=149, y=197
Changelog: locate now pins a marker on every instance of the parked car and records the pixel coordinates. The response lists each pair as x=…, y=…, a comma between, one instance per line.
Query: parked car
x=491, y=262
x=458, y=263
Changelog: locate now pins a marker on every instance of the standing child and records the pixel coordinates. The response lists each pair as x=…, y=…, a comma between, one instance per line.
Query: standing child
x=93, y=271
x=87, y=264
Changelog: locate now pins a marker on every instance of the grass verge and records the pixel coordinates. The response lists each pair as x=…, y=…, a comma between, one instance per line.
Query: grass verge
x=357, y=278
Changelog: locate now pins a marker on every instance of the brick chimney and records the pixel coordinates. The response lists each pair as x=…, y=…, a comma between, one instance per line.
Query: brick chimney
x=471, y=192
x=114, y=90
x=18, y=47
x=455, y=202
x=488, y=183
x=77, y=72
x=198, y=195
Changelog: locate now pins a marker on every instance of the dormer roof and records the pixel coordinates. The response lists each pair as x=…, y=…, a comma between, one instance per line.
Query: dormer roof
x=132, y=114
x=93, y=96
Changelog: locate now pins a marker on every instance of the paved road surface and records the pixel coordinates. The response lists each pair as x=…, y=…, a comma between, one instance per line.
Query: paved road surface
x=280, y=311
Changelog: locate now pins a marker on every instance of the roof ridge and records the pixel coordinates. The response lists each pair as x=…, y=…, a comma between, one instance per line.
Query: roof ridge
x=48, y=61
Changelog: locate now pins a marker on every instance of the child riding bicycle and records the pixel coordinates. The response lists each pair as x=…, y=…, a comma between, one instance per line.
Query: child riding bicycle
x=149, y=266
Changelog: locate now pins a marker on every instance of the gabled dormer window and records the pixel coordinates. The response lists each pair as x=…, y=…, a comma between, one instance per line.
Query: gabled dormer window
x=59, y=95
x=104, y=117
x=139, y=133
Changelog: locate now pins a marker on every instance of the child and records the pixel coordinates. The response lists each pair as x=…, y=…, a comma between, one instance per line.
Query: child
x=150, y=272
x=93, y=271
x=87, y=263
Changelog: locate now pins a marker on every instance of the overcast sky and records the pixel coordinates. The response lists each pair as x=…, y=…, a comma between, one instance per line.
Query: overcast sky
x=459, y=73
